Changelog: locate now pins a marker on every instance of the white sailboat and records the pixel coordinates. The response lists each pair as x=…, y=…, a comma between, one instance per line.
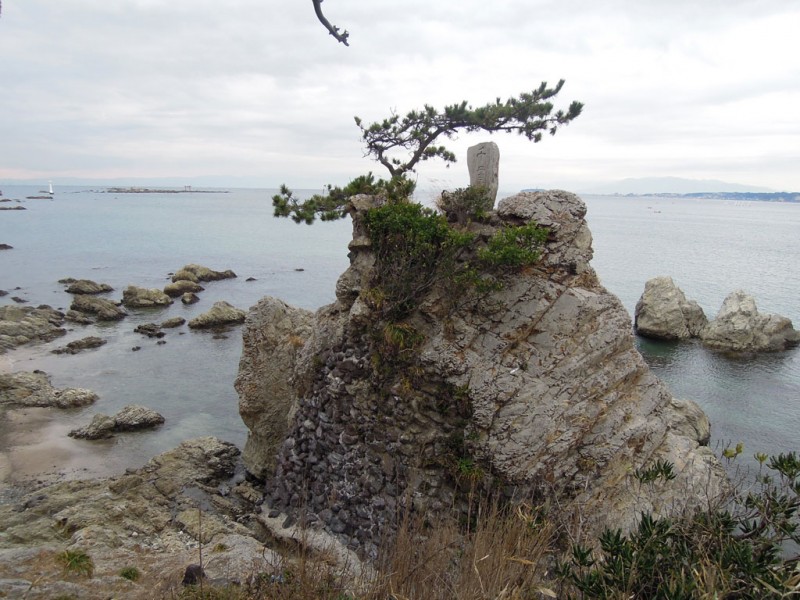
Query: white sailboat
x=50, y=188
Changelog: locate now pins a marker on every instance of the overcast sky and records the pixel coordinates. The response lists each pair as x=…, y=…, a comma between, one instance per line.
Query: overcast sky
x=255, y=92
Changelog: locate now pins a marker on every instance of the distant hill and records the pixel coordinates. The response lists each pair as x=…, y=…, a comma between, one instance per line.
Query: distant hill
x=670, y=185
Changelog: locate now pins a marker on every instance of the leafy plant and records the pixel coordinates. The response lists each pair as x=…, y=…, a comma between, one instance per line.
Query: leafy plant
x=77, y=562
x=513, y=247
x=736, y=551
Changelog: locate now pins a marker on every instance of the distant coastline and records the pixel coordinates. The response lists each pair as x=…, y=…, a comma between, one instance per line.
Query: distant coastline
x=751, y=196
x=144, y=190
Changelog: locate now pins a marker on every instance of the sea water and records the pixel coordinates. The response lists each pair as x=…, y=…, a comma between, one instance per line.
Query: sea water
x=709, y=247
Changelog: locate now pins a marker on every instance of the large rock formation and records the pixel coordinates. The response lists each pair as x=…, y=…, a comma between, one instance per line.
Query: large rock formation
x=739, y=327
x=221, y=314
x=535, y=391
x=664, y=313
x=273, y=332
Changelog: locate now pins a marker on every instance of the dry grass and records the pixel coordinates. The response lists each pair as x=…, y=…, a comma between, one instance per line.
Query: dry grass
x=502, y=557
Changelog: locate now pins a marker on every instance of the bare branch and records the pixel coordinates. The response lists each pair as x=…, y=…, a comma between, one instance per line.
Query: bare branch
x=334, y=31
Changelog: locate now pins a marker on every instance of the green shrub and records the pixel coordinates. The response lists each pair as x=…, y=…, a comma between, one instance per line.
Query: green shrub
x=414, y=248
x=741, y=550
x=513, y=247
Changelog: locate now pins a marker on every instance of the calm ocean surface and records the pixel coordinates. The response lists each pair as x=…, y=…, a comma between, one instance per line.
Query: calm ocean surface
x=709, y=248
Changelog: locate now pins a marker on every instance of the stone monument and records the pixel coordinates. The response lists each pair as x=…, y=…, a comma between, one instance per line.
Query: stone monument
x=483, y=162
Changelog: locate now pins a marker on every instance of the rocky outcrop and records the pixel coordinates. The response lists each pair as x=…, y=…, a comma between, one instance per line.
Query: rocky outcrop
x=197, y=273
x=664, y=313
x=22, y=325
x=182, y=287
x=173, y=322
x=531, y=392
x=34, y=389
x=149, y=518
x=739, y=327
x=273, y=332
x=190, y=298
x=102, y=309
x=87, y=286
x=130, y=418
x=80, y=345
x=221, y=314
x=136, y=297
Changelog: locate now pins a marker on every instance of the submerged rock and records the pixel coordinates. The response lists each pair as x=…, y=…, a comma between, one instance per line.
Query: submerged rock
x=222, y=313
x=664, y=313
x=538, y=386
x=739, y=327
x=136, y=297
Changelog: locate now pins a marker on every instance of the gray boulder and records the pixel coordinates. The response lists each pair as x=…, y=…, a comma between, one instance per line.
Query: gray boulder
x=173, y=322
x=136, y=297
x=81, y=345
x=131, y=418
x=664, y=313
x=102, y=309
x=182, y=286
x=23, y=325
x=222, y=313
x=190, y=298
x=739, y=327
x=34, y=389
x=87, y=286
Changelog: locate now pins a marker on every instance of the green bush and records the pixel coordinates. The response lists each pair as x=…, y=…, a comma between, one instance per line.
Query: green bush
x=513, y=247
x=741, y=550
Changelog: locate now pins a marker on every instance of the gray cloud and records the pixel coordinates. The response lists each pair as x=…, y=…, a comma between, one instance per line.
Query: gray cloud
x=257, y=89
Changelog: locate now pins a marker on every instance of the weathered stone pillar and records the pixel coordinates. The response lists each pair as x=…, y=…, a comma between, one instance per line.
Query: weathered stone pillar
x=483, y=162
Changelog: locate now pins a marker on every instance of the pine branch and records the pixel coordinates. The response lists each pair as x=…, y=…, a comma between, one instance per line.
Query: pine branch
x=334, y=31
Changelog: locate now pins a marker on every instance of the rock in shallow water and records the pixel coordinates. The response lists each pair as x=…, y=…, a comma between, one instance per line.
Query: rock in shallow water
x=222, y=313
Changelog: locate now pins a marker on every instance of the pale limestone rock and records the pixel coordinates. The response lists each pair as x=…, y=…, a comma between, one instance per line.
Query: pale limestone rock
x=664, y=313
x=136, y=297
x=222, y=313
x=739, y=327
x=274, y=332
x=483, y=163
